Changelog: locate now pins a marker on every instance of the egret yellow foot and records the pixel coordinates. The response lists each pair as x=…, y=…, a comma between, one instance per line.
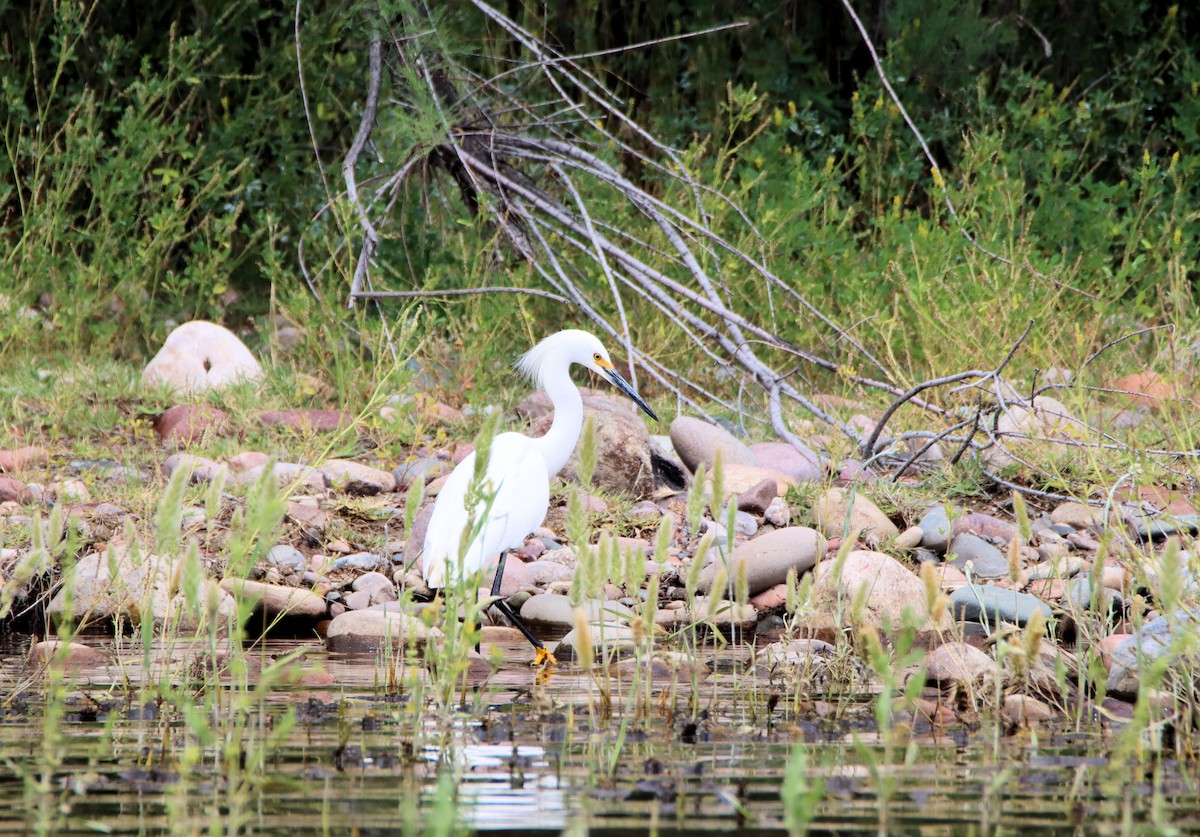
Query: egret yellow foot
x=544, y=657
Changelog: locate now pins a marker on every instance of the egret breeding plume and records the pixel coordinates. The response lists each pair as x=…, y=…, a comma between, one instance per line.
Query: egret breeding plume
x=515, y=495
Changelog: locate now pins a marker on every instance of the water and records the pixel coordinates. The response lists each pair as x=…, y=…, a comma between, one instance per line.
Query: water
x=532, y=756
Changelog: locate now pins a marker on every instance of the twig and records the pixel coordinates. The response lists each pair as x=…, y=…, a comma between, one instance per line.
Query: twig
x=462, y=292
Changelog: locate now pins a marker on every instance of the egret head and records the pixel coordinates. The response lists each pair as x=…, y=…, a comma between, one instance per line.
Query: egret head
x=575, y=346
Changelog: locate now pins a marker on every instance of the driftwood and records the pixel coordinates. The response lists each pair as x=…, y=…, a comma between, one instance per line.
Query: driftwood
x=523, y=147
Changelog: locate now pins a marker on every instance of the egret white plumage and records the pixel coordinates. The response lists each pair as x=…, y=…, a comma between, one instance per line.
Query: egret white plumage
x=516, y=491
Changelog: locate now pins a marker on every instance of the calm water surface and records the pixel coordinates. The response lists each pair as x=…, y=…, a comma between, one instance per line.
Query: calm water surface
x=358, y=757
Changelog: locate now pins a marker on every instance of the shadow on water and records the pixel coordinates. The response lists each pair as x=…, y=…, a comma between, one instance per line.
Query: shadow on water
x=356, y=754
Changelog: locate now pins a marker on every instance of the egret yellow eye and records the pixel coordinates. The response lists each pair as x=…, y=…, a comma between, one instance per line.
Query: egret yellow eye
x=597, y=357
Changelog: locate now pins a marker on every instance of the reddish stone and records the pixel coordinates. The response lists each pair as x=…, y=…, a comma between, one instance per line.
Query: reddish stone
x=247, y=460
x=985, y=526
x=186, y=424
x=1144, y=388
x=12, y=489
x=319, y=420
x=14, y=460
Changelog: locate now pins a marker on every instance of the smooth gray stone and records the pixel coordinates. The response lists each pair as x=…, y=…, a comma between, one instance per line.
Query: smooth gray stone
x=935, y=528
x=987, y=603
x=977, y=557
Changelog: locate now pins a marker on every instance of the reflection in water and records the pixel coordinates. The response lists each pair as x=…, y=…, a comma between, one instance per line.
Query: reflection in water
x=685, y=755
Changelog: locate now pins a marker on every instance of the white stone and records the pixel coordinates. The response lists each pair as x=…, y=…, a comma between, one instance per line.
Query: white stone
x=199, y=356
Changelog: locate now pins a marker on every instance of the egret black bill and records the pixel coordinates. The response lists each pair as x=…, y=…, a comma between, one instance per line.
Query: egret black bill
x=620, y=383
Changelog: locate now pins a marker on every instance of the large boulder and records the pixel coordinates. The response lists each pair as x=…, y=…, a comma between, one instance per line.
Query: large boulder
x=622, y=448
x=890, y=590
x=200, y=356
x=767, y=559
x=699, y=442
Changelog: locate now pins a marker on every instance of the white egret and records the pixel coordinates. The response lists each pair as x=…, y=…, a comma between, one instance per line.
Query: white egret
x=518, y=474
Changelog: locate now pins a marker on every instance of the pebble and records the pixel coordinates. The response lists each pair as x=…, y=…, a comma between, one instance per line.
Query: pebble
x=187, y=424
x=935, y=528
x=744, y=524
x=307, y=421
x=725, y=615
x=277, y=600
x=738, y=479
x=909, y=539
x=987, y=603
x=960, y=664
x=607, y=641
x=985, y=526
x=977, y=558
x=71, y=654
x=697, y=442
x=370, y=630
x=759, y=497
x=546, y=572
x=1023, y=709
x=358, y=561
x=803, y=464
x=422, y=470
x=556, y=611
x=287, y=558
x=516, y=576
x=777, y=513
x=1075, y=515
x=18, y=459
x=247, y=459
x=13, y=491
x=356, y=478
x=287, y=475
x=767, y=559
x=1078, y=595
x=837, y=508
x=203, y=470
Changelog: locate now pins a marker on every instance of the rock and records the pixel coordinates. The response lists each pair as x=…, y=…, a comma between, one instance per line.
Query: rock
x=547, y=572
x=622, y=448
x=70, y=654
x=563, y=555
x=1144, y=388
x=203, y=470
x=909, y=539
x=1044, y=418
x=357, y=600
x=891, y=590
x=985, y=526
x=837, y=509
x=289, y=476
x=371, y=630
x=758, y=497
x=962, y=665
x=18, y=459
x=100, y=585
x=697, y=442
x=741, y=478
x=778, y=513
x=1075, y=515
x=13, y=491
x=556, y=611
x=724, y=615
x=377, y=585
x=247, y=459
x=415, y=544
x=773, y=598
x=307, y=421
x=277, y=600
x=802, y=464
x=795, y=653
x=990, y=605
x=199, y=356
x=1078, y=597
x=311, y=518
x=515, y=577
x=356, y=478
x=1023, y=709
x=186, y=424
x=365, y=561
x=976, y=557
x=669, y=471
x=767, y=559
x=1146, y=645
x=68, y=492
x=936, y=529
x=606, y=641
x=422, y=470
x=286, y=558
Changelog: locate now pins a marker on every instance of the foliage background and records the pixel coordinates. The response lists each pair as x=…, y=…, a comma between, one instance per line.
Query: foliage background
x=160, y=165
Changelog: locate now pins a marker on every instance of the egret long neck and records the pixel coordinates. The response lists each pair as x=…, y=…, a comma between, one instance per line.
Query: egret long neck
x=559, y=442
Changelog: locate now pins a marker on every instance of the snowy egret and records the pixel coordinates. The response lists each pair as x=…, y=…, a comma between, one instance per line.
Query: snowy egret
x=518, y=474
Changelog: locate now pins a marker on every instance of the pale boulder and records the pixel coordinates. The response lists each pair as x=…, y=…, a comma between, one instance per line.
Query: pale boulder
x=200, y=356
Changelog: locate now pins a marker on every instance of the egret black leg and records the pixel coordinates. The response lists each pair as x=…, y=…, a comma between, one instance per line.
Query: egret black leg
x=543, y=655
